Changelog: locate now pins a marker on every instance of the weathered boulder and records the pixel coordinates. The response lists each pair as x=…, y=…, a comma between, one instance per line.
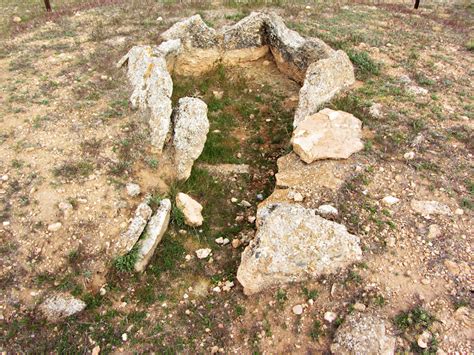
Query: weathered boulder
x=327, y=134
x=293, y=244
x=428, y=208
x=60, y=306
x=324, y=79
x=248, y=32
x=190, y=133
x=152, y=88
x=192, y=31
x=154, y=232
x=363, y=333
x=191, y=210
x=293, y=53
x=128, y=239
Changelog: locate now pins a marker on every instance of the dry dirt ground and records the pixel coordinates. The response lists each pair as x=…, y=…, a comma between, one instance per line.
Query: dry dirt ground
x=68, y=135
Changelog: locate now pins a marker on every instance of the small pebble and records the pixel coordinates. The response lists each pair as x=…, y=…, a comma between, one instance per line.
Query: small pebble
x=330, y=316
x=298, y=309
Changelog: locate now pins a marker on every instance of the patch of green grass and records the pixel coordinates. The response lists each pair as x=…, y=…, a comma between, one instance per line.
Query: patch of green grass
x=125, y=263
x=417, y=319
x=168, y=254
x=281, y=297
x=220, y=149
x=239, y=310
x=315, y=331
x=365, y=66
x=310, y=294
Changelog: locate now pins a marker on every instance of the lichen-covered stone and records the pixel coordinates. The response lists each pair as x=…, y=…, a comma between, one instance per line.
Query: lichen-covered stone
x=192, y=31
x=190, y=133
x=154, y=232
x=152, y=88
x=292, y=244
x=293, y=53
x=327, y=134
x=60, y=306
x=363, y=333
x=248, y=32
x=128, y=239
x=324, y=79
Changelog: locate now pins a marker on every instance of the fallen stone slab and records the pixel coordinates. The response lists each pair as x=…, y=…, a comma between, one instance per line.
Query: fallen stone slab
x=327, y=134
x=190, y=134
x=191, y=210
x=60, y=306
x=154, y=232
x=363, y=334
x=428, y=208
x=324, y=79
x=129, y=238
x=294, y=244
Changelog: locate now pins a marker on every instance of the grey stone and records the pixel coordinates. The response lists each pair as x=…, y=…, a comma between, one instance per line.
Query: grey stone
x=293, y=244
x=363, y=334
x=154, y=232
x=60, y=306
x=137, y=225
x=190, y=133
x=324, y=79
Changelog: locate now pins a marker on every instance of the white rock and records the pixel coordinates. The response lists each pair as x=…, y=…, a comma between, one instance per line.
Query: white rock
x=227, y=286
x=251, y=219
x=244, y=203
x=292, y=244
x=359, y=307
x=427, y=208
x=327, y=134
x=190, y=133
x=133, y=189
x=459, y=211
x=154, y=232
x=191, y=210
x=434, y=231
x=376, y=110
x=424, y=339
x=298, y=309
x=409, y=155
x=390, y=200
x=326, y=210
x=324, y=79
x=152, y=88
x=124, y=337
x=203, y=253
x=362, y=333
x=330, y=317
x=417, y=90
x=233, y=200
x=128, y=239
x=54, y=227
x=16, y=19
x=60, y=306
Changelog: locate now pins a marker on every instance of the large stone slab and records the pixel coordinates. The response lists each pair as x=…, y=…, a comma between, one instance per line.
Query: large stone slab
x=324, y=79
x=293, y=244
x=154, y=232
x=363, y=334
x=190, y=133
x=152, y=87
x=129, y=238
x=327, y=134
x=60, y=306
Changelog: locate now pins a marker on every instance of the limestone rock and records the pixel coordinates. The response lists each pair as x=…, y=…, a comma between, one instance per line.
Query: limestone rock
x=133, y=189
x=203, y=253
x=194, y=31
x=54, y=227
x=324, y=79
x=327, y=210
x=60, y=306
x=191, y=209
x=152, y=88
x=327, y=134
x=293, y=244
x=190, y=133
x=135, y=229
x=154, y=232
x=248, y=32
x=293, y=53
x=428, y=208
x=363, y=334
